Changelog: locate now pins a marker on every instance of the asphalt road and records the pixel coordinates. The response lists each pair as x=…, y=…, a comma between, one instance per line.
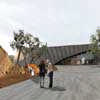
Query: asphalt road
x=70, y=83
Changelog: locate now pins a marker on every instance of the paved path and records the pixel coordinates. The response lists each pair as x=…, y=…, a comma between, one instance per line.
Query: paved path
x=70, y=83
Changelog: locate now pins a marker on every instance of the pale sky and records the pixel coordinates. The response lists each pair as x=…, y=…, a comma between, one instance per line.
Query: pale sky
x=57, y=22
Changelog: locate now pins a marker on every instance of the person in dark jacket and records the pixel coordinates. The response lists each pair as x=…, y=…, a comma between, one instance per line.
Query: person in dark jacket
x=42, y=73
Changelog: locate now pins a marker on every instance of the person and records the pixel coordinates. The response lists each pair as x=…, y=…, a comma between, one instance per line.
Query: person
x=50, y=74
x=31, y=71
x=42, y=73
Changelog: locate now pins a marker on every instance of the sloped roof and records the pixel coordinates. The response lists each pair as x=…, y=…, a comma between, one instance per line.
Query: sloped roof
x=57, y=53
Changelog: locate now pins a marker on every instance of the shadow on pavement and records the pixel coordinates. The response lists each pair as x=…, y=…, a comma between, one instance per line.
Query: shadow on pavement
x=35, y=79
x=56, y=88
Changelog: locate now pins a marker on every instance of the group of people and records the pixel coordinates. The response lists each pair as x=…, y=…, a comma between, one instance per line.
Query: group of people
x=46, y=68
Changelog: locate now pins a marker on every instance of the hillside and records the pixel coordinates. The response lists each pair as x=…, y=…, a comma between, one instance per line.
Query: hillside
x=11, y=73
x=5, y=62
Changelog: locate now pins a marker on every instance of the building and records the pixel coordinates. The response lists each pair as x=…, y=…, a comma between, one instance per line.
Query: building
x=69, y=54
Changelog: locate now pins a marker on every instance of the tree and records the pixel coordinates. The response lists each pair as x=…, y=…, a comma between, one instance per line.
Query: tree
x=31, y=44
x=44, y=50
x=95, y=42
x=18, y=43
x=26, y=44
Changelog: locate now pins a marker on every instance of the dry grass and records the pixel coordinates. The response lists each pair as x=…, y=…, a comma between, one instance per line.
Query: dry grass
x=16, y=74
x=12, y=79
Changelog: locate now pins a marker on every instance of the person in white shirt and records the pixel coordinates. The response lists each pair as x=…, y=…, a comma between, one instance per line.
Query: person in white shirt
x=50, y=74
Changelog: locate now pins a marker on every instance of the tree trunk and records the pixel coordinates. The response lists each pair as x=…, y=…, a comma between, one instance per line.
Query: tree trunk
x=18, y=55
x=25, y=60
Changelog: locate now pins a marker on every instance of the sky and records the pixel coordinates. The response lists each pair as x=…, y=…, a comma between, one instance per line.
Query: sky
x=57, y=22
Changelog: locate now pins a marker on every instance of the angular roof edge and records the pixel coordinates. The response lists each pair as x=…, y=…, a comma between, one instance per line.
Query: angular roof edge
x=69, y=45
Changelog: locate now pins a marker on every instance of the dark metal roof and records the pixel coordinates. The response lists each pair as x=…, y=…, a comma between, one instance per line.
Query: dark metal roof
x=57, y=53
